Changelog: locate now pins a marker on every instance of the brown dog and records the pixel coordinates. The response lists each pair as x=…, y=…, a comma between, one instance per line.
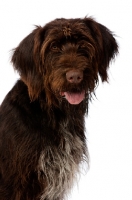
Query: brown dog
x=42, y=139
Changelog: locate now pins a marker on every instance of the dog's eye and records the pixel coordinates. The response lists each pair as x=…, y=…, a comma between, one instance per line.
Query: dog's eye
x=54, y=47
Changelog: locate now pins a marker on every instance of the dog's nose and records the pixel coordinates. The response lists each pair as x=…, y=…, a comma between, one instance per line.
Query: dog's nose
x=74, y=76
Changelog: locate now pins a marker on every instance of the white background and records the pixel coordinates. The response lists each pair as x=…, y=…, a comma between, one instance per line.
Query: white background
x=109, y=123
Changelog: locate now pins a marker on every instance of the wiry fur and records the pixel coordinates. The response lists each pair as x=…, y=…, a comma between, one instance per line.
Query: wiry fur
x=42, y=135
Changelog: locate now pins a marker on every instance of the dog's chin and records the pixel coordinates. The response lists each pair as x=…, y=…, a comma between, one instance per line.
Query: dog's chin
x=74, y=98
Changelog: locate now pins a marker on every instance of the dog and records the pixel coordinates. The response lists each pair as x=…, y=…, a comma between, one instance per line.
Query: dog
x=42, y=130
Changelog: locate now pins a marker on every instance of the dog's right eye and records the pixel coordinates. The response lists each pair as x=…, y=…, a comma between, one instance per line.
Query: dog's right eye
x=54, y=47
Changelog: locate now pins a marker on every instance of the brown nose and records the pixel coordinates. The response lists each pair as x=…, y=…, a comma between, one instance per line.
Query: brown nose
x=74, y=76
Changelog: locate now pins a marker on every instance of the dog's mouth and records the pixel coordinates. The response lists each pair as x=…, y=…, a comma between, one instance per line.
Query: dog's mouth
x=74, y=97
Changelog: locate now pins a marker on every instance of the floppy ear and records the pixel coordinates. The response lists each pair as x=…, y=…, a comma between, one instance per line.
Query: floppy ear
x=25, y=62
x=106, y=45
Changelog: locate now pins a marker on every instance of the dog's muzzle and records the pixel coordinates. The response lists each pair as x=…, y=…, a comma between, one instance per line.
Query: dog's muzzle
x=74, y=97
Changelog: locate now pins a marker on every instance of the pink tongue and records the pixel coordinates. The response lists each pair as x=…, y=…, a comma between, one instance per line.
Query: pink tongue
x=74, y=98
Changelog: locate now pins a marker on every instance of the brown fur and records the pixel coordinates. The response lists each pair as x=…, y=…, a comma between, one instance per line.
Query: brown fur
x=42, y=134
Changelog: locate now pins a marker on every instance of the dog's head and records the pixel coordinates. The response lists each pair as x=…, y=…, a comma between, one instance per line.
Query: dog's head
x=64, y=58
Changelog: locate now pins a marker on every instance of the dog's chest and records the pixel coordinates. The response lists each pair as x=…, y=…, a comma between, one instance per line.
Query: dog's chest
x=58, y=166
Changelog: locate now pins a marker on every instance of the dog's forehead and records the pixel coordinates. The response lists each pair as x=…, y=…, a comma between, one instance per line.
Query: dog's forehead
x=66, y=27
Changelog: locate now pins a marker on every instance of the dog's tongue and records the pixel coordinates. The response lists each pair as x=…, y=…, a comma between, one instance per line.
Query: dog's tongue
x=74, y=98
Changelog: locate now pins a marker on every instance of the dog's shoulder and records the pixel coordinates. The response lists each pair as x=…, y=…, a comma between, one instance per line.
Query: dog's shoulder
x=17, y=96
x=17, y=106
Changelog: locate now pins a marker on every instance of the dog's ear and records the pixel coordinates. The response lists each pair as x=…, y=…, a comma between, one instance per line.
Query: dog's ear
x=105, y=43
x=25, y=58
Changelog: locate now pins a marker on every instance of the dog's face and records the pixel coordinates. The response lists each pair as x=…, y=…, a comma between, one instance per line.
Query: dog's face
x=64, y=59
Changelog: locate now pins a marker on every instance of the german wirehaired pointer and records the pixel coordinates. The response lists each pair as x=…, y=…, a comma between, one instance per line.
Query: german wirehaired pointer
x=42, y=133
